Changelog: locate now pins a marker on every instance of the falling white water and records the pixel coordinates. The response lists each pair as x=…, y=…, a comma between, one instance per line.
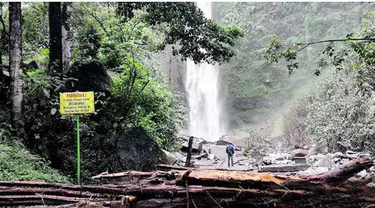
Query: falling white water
x=202, y=86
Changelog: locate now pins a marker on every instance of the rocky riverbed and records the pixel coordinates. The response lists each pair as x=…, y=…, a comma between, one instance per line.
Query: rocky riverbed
x=212, y=155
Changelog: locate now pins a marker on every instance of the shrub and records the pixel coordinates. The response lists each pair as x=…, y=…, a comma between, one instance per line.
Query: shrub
x=18, y=164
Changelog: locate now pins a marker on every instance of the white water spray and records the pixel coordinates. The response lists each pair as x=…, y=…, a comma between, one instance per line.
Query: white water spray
x=202, y=86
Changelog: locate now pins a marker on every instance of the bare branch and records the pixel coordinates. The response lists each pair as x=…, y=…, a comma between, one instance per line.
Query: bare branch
x=98, y=20
x=333, y=40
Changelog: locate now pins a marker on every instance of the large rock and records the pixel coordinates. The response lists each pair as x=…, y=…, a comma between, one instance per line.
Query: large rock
x=284, y=168
x=338, y=155
x=137, y=151
x=197, y=146
x=277, y=158
x=320, y=160
x=91, y=76
x=174, y=157
x=235, y=140
x=299, y=153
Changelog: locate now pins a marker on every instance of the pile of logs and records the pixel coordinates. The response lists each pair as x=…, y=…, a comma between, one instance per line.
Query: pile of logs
x=188, y=187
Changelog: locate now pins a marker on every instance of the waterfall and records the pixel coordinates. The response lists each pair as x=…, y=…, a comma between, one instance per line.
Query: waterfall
x=202, y=87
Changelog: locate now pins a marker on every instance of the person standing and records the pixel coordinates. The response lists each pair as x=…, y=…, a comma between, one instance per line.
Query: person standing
x=230, y=152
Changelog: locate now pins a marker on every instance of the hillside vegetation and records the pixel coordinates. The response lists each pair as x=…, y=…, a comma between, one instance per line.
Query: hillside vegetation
x=257, y=89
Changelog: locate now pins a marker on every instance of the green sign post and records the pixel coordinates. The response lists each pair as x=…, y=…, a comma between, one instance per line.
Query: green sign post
x=76, y=103
x=78, y=153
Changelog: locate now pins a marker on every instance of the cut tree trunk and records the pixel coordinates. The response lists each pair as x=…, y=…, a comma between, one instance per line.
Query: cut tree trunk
x=190, y=148
x=15, y=71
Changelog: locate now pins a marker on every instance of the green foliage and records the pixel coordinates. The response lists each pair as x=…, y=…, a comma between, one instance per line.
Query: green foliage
x=41, y=85
x=362, y=45
x=128, y=40
x=42, y=58
x=149, y=104
x=336, y=114
x=256, y=145
x=18, y=164
x=89, y=44
x=91, y=22
x=198, y=38
x=332, y=116
x=35, y=29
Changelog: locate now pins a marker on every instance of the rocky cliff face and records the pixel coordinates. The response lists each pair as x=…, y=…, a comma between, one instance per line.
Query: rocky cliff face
x=173, y=67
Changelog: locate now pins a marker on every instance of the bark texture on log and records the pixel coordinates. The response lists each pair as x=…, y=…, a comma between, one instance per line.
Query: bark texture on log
x=200, y=188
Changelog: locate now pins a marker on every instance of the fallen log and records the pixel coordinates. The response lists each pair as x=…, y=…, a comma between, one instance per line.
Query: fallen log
x=134, y=177
x=343, y=173
x=164, y=167
x=201, y=188
x=266, y=180
x=284, y=168
x=132, y=174
x=200, y=193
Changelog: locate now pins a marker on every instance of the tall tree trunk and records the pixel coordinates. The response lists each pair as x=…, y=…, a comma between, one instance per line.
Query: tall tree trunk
x=55, y=39
x=16, y=83
x=66, y=35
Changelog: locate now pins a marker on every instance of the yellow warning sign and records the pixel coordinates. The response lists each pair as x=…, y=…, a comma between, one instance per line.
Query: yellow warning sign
x=77, y=103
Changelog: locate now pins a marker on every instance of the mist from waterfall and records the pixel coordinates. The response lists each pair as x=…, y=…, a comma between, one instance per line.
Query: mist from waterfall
x=202, y=86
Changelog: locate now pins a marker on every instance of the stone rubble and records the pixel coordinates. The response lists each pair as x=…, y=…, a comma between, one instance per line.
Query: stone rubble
x=208, y=155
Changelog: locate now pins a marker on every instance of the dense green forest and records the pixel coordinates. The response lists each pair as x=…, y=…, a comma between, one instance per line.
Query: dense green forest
x=48, y=48
x=269, y=56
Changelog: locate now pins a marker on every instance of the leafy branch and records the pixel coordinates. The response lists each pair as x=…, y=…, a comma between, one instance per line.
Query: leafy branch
x=274, y=52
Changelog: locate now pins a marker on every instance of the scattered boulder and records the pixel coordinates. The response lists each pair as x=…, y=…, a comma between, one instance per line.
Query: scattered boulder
x=283, y=168
x=212, y=157
x=174, y=157
x=351, y=154
x=197, y=146
x=266, y=161
x=338, y=155
x=364, y=156
x=222, y=142
x=319, y=160
x=137, y=151
x=299, y=153
x=361, y=174
x=204, y=154
x=235, y=140
x=277, y=159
